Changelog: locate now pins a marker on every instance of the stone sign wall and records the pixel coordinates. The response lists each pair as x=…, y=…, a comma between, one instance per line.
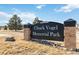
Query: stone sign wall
x=55, y=31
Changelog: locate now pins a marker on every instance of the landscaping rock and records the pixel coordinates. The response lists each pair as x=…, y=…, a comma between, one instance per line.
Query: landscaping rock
x=10, y=39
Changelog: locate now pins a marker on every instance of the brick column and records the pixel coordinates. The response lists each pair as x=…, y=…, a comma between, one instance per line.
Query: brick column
x=70, y=34
x=27, y=32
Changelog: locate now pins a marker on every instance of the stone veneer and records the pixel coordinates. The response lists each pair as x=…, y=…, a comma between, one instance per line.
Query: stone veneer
x=27, y=34
x=70, y=37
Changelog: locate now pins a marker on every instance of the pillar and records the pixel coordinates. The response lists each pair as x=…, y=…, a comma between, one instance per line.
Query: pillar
x=70, y=34
x=27, y=32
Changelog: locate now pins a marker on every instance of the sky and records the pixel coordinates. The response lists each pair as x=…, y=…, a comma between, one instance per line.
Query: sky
x=46, y=12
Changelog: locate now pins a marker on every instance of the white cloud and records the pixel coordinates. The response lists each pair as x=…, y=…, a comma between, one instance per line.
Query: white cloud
x=68, y=8
x=25, y=16
x=15, y=10
x=4, y=14
x=40, y=6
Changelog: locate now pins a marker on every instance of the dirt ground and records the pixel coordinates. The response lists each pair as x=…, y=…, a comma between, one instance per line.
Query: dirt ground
x=23, y=47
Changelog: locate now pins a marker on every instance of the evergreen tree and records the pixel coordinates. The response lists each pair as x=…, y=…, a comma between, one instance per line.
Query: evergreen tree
x=36, y=20
x=5, y=27
x=15, y=23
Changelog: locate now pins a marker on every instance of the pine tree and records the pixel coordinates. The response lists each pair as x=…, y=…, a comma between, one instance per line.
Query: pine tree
x=15, y=23
x=5, y=27
x=36, y=20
